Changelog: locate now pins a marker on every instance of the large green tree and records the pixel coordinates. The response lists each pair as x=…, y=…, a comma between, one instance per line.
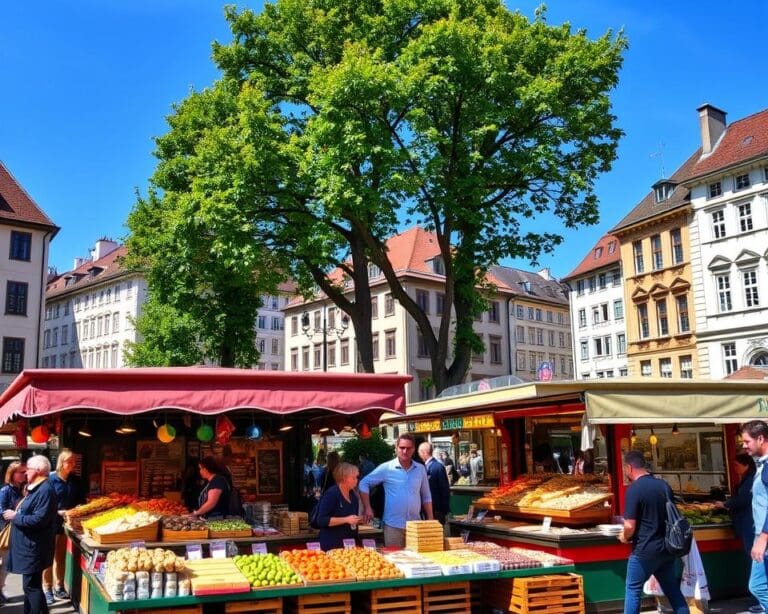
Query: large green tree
x=336, y=122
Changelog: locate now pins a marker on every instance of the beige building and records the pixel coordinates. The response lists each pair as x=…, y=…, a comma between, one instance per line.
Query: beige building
x=656, y=264
x=25, y=236
x=324, y=339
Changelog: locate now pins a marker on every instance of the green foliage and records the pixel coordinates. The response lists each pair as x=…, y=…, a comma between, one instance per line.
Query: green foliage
x=336, y=121
x=376, y=448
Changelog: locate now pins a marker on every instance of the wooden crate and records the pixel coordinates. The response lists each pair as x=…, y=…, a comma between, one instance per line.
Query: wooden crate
x=183, y=536
x=262, y=606
x=561, y=593
x=449, y=598
x=328, y=603
x=187, y=609
x=147, y=533
x=403, y=599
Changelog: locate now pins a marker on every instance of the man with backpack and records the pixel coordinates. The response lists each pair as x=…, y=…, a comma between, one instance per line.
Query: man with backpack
x=754, y=440
x=645, y=526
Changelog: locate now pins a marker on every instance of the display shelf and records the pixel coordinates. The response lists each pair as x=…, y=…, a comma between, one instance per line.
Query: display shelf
x=576, y=517
x=97, y=590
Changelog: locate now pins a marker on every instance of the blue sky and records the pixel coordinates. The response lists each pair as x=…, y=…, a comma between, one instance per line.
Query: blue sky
x=87, y=84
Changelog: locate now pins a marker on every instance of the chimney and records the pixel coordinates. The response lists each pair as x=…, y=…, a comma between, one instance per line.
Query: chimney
x=711, y=125
x=545, y=273
x=103, y=247
x=79, y=262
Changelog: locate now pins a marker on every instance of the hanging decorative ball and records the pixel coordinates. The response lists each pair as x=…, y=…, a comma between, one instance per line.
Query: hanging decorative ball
x=205, y=432
x=253, y=432
x=40, y=434
x=166, y=433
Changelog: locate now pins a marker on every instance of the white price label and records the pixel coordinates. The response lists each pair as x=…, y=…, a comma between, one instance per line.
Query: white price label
x=348, y=543
x=218, y=550
x=546, y=524
x=194, y=552
x=313, y=546
x=370, y=544
x=259, y=548
x=139, y=544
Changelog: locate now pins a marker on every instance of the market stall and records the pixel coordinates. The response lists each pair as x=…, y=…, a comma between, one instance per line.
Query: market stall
x=138, y=431
x=687, y=430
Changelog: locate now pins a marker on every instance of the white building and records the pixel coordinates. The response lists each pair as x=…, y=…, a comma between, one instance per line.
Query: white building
x=25, y=236
x=729, y=242
x=597, y=312
x=90, y=311
x=398, y=345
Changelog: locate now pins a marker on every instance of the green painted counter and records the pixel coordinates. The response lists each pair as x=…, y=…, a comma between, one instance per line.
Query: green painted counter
x=99, y=602
x=463, y=496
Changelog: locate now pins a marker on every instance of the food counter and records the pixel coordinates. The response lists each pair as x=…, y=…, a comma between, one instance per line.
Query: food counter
x=462, y=496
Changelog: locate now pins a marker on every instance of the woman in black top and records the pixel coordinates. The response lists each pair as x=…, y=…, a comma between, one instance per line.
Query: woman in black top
x=214, y=498
x=338, y=508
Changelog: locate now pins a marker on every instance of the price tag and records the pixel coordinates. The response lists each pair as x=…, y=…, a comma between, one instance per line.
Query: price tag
x=369, y=544
x=218, y=549
x=465, y=536
x=313, y=546
x=94, y=560
x=481, y=514
x=259, y=548
x=546, y=524
x=194, y=552
x=139, y=544
x=348, y=543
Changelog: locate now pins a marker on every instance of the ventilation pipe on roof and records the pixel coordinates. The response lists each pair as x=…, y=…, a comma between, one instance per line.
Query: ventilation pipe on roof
x=712, y=125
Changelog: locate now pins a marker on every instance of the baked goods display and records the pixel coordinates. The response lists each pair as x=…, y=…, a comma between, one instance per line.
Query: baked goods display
x=550, y=491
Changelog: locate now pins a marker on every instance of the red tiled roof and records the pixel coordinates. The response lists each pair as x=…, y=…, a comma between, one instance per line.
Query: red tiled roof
x=750, y=372
x=743, y=140
x=111, y=265
x=16, y=205
x=592, y=261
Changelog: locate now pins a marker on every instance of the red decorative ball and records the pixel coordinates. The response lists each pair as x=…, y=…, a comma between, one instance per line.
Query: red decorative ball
x=40, y=434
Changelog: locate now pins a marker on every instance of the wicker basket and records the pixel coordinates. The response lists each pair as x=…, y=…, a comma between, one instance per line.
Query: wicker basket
x=147, y=533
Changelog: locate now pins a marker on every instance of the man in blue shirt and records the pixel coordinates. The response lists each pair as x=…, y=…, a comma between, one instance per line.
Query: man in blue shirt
x=645, y=515
x=406, y=491
x=754, y=440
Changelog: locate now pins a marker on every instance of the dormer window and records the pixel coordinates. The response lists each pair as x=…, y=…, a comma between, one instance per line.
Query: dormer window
x=438, y=266
x=715, y=189
x=373, y=271
x=526, y=285
x=663, y=190
x=598, y=252
x=611, y=247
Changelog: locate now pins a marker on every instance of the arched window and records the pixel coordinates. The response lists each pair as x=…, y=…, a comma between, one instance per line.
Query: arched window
x=760, y=359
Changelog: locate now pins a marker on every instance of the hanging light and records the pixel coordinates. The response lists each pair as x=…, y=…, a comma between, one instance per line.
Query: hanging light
x=204, y=432
x=633, y=436
x=285, y=426
x=653, y=440
x=84, y=430
x=365, y=431
x=324, y=429
x=40, y=434
x=166, y=433
x=126, y=427
x=675, y=430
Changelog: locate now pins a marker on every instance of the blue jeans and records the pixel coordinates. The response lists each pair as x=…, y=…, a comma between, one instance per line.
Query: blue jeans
x=639, y=569
x=758, y=583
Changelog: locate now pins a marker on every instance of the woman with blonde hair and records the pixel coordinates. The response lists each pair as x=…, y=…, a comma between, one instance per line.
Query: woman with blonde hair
x=10, y=495
x=338, y=513
x=69, y=494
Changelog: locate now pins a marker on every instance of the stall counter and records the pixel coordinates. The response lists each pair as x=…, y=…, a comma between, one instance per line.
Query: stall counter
x=462, y=496
x=98, y=602
x=601, y=559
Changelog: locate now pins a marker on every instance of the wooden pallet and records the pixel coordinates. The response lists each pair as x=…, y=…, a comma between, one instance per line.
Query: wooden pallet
x=262, y=606
x=328, y=603
x=403, y=599
x=549, y=594
x=449, y=598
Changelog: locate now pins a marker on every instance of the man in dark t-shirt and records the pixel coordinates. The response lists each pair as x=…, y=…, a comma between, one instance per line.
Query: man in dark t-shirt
x=645, y=516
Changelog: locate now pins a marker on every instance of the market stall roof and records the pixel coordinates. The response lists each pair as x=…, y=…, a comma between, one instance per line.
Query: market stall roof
x=613, y=401
x=201, y=390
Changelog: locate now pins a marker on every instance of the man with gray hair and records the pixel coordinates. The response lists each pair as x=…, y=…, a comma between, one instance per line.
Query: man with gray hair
x=754, y=440
x=439, y=486
x=645, y=516
x=33, y=533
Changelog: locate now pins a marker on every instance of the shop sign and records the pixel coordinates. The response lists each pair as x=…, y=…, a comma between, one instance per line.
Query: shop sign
x=454, y=423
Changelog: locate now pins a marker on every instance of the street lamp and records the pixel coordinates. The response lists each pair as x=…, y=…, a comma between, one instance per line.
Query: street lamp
x=310, y=331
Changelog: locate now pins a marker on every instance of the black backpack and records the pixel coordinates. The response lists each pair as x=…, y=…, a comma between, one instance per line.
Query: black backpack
x=679, y=534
